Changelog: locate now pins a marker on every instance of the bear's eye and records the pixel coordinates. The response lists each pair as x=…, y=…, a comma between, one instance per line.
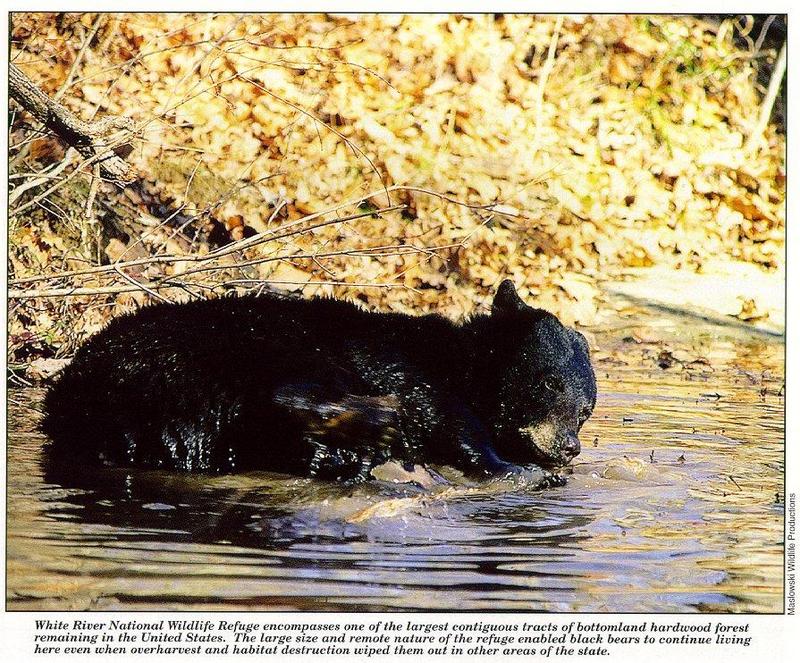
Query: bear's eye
x=552, y=383
x=584, y=414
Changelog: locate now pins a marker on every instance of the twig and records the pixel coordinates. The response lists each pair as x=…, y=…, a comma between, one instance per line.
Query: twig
x=45, y=176
x=147, y=287
x=78, y=57
x=544, y=73
x=308, y=113
x=81, y=135
x=272, y=282
x=151, y=231
x=289, y=64
x=24, y=149
x=211, y=47
x=83, y=292
x=257, y=239
x=763, y=34
x=769, y=101
x=142, y=286
x=60, y=184
x=184, y=258
x=367, y=252
x=95, y=181
x=268, y=235
x=316, y=226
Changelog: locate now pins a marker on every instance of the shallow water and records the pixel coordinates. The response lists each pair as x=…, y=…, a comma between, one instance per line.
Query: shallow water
x=674, y=505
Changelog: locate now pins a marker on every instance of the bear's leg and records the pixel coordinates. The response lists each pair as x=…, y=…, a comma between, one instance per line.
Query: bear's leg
x=318, y=452
x=336, y=464
x=369, y=458
x=352, y=466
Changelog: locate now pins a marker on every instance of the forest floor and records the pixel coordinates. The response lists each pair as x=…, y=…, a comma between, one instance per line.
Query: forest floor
x=406, y=162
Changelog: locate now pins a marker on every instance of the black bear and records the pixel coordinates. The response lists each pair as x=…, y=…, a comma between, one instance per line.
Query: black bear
x=323, y=388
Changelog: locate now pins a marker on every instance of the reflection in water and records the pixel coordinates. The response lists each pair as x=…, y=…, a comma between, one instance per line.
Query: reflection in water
x=675, y=504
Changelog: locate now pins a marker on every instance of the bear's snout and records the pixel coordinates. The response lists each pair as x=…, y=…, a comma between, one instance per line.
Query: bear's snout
x=551, y=441
x=571, y=446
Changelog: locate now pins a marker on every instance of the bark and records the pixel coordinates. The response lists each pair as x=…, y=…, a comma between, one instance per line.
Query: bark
x=86, y=137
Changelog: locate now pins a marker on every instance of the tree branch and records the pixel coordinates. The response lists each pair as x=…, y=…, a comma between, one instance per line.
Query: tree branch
x=83, y=136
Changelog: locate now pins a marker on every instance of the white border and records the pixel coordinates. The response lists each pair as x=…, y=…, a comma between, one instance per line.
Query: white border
x=774, y=635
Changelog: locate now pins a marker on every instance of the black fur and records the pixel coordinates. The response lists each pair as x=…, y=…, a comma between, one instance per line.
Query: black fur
x=322, y=388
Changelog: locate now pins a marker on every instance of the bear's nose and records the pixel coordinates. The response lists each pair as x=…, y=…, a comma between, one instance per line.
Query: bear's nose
x=571, y=446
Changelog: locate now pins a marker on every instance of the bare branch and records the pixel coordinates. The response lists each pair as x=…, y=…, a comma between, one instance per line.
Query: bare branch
x=81, y=135
x=76, y=62
x=45, y=176
x=768, y=102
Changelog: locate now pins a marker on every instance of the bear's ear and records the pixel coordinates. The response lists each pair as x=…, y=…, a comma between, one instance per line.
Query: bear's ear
x=506, y=299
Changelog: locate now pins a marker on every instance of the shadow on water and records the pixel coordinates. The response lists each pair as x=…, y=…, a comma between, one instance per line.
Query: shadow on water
x=675, y=505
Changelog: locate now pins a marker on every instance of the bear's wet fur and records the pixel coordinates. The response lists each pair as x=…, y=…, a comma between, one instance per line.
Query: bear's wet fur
x=323, y=388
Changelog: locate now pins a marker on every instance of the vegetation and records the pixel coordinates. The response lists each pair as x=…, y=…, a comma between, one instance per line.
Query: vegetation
x=410, y=162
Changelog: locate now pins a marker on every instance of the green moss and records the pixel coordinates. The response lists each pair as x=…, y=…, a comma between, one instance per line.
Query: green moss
x=206, y=185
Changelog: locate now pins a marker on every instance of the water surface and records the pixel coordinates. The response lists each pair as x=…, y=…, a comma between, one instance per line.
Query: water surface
x=674, y=505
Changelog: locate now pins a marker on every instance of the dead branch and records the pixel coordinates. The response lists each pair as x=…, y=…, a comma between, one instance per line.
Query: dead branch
x=149, y=288
x=76, y=62
x=367, y=252
x=42, y=178
x=83, y=136
x=769, y=101
x=206, y=257
x=271, y=234
x=83, y=292
x=298, y=226
x=544, y=73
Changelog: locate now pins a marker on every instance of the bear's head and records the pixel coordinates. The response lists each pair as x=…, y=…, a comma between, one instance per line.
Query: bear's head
x=547, y=388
